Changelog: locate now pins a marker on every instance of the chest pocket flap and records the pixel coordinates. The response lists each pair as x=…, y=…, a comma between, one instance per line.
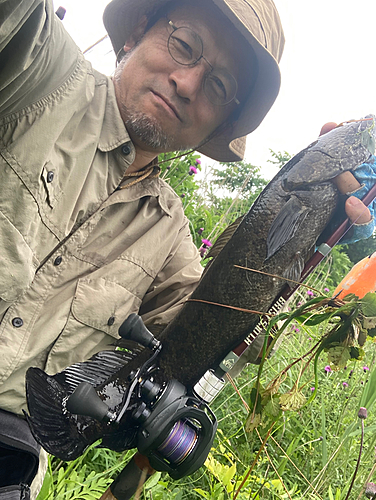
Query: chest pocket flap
x=103, y=305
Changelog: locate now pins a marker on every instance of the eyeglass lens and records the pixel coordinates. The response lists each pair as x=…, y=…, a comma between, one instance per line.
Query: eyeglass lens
x=185, y=47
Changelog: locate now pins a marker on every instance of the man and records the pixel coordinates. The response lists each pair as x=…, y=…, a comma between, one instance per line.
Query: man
x=88, y=232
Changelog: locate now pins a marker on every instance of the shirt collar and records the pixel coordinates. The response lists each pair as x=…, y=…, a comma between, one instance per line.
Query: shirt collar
x=113, y=133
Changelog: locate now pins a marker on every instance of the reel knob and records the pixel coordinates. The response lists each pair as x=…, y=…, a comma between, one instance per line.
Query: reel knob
x=133, y=328
x=85, y=401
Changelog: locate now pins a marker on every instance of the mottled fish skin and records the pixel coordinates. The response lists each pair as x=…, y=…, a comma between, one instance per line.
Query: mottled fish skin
x=202, y=334
x=277, y=236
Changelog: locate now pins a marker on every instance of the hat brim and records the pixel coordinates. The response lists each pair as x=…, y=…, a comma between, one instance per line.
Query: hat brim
x=120, y=17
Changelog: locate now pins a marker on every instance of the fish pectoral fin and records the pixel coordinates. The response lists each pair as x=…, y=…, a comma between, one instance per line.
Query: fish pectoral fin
x=98, y=368
x=294, y=269
x=46, y=419
x=285, y=225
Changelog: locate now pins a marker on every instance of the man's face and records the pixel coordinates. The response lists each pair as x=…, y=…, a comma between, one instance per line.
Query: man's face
x=163, y=103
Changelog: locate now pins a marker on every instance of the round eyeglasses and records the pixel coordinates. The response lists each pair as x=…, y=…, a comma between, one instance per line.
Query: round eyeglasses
x=185, y=47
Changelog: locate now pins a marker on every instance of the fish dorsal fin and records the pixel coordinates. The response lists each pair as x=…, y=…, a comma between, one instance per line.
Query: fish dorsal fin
x=223, y=238
x=285, y=225
x=97, y=369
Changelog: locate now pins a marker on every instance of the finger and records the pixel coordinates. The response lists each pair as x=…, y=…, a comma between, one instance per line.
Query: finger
x=346, y=183
x=356, y=211
x=327, y=127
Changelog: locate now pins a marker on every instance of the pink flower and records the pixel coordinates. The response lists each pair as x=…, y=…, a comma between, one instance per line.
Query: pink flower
x=310, y=293
x=192, y=170
x=365, y=368
x=326, y=290
x=312, y=389
x=202, y=252
x=299, y=304
x=206, y=243
x=200, y=231
x=327, y=369
x=345, y=384
x=198, y=162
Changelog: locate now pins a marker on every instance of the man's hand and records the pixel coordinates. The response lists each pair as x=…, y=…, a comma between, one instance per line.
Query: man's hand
x=347, y=183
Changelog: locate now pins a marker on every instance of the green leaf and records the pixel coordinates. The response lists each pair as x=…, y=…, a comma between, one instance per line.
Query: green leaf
x=338, y=356
x=369, y=322
x=292, y=401
x=368, y=304
x=152, y=481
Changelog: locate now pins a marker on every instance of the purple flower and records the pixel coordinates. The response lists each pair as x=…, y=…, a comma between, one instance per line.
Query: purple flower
x=365, y=369
x=327, y=369
x=198, y=162
x=310, y=293
x=362, y=413
x=345, y=384
x=296, y=329
x=202, y=252
x=309, y=338
x=200, y=231
x=206, y=243
x=192, y=170
x=299, y=304
x=326, y=289
x=312, y=389
x=370, y=490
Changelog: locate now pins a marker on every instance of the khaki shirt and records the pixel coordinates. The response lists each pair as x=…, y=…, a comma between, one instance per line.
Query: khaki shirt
x=77, y=255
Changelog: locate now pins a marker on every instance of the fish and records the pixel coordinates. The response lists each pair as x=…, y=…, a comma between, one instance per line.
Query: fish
x=277, y=236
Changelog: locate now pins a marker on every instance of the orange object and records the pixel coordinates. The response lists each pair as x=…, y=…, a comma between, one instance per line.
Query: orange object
x=360, y=280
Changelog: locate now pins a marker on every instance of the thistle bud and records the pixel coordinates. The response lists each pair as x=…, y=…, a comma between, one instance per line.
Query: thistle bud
x=362, y=413
x=370, y=490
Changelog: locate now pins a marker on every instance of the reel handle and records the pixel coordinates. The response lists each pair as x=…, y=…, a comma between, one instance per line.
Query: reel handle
x=133, y=328
x=85, y=401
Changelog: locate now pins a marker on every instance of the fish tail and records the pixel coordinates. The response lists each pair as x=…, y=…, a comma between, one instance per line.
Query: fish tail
x=51, y=426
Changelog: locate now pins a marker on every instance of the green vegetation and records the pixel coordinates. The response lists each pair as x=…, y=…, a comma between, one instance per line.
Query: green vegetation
x=309, y=450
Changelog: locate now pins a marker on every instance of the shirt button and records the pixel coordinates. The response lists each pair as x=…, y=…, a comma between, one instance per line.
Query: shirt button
x=17, y=322
x=50, y=176
x=58, y=260
x=111, y=320
x=125, y=149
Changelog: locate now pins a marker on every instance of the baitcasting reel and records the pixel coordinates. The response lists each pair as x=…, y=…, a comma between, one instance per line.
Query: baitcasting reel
x=174, y=430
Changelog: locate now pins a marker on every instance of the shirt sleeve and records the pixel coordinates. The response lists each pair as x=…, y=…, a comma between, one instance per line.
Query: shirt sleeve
x=36, y=53
x=173, y=284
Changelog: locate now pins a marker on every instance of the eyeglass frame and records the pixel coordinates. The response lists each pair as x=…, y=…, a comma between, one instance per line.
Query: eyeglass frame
x=174, y=27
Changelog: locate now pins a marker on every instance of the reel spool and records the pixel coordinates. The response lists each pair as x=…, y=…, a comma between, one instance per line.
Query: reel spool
x=177, y=433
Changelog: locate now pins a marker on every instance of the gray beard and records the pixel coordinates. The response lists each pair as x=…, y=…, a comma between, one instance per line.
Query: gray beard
x=150, y=132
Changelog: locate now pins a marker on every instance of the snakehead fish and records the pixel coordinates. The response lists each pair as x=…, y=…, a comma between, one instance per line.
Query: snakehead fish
x=277, y=236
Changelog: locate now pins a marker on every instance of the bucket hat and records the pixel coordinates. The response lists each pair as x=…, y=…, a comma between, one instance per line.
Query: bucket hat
x=259, y=23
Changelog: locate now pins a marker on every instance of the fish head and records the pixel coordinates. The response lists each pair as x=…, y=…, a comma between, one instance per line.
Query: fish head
x=342, y=149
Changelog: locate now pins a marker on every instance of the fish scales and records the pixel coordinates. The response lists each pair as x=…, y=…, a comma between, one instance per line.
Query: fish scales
x=277, y=236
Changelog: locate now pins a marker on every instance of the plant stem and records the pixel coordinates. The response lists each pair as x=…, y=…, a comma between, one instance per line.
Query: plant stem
x=358, y=462
x=254, y=461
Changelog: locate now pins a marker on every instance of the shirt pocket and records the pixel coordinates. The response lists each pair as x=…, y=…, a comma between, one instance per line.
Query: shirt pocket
x=98, y=309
